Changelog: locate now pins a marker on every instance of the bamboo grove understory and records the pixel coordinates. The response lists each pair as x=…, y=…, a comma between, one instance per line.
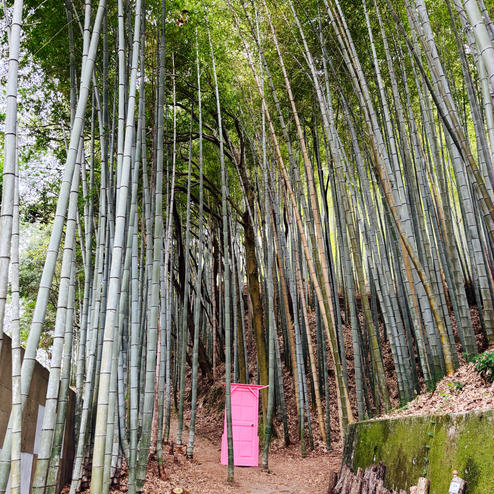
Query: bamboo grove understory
x=311, y=180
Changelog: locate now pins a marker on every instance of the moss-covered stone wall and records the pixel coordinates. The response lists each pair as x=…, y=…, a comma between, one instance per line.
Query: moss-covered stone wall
x=430, y=446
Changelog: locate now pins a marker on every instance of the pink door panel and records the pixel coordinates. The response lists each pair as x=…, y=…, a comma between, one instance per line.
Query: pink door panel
x=245, y=399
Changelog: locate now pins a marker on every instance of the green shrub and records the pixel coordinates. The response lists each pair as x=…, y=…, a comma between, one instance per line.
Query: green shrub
x=484, y=365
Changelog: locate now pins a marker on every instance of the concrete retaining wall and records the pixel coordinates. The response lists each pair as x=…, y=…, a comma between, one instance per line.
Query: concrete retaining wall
x=32, y=419
x=430, y=446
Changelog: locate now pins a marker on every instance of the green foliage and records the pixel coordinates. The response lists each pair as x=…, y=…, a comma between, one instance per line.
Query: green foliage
x=445, y=395
x=456, y=386
x=484, y=365
x=32, y=258
x=41, y=211
x=46, y=339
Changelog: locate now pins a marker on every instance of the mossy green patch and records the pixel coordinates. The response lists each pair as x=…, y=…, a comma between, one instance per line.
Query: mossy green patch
x=430, y=446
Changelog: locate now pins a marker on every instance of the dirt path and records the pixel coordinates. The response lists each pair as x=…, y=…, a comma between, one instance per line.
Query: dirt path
x=289, y=472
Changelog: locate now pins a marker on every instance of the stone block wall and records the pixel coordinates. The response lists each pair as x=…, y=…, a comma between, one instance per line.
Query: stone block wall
x=429, y=446
x=32, y=419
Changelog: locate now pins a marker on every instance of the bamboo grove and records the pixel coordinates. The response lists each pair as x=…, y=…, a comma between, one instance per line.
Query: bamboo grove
x=294, y=193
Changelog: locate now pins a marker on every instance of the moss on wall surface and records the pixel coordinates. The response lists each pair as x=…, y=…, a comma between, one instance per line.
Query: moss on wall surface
x=430, y=446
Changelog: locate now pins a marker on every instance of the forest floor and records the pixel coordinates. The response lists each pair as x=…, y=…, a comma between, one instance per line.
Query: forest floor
x=463, y=391
x=288, y=473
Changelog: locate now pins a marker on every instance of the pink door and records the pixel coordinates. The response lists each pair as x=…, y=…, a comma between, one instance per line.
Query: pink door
x=245, y=398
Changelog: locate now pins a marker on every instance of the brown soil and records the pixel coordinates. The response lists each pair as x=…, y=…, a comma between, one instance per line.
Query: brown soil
x=288, y=472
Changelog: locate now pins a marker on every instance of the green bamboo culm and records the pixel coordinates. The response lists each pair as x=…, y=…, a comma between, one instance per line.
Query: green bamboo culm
x=226, y=264
x=200, y=265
